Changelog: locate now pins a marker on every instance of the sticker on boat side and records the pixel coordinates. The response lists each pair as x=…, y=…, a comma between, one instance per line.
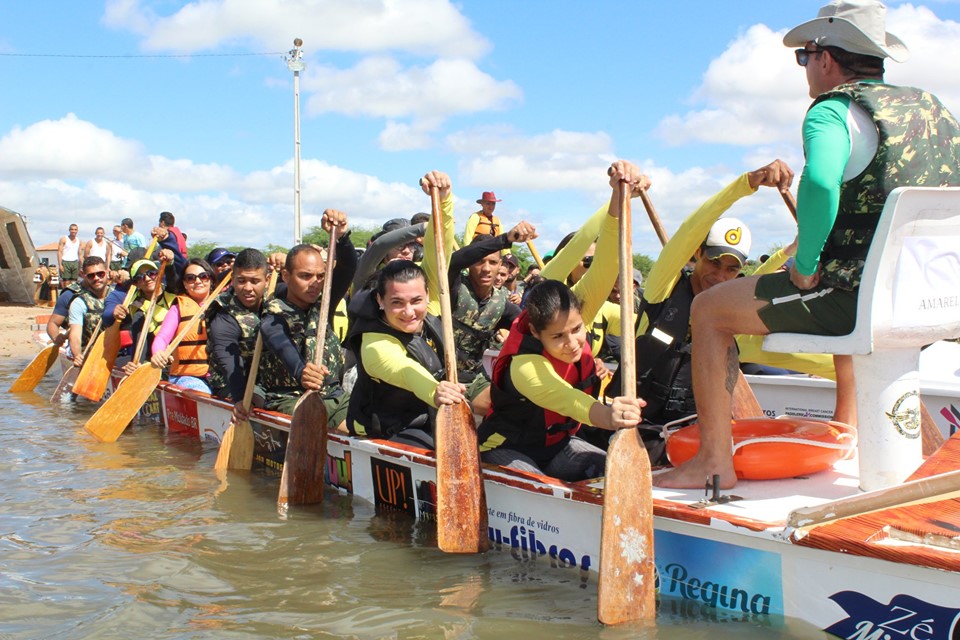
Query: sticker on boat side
x=903, y=617
x=905, y=414
x=392, y=486
x=721, y=575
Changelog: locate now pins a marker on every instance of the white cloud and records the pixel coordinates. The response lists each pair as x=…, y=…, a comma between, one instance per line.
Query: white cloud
x=68, y=146
x=423, y=27
x=754, y=93
x=931, y=65
x=555, y=160
x=381, y=87
x=70, y=170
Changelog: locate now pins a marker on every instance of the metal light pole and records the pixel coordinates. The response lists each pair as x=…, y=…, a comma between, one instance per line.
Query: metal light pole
x=295, y=63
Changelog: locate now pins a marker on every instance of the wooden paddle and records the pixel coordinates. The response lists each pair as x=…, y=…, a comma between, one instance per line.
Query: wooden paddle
x=745, y=404
x=112, y=418
x=626, y=589
x=930, y=434
x=148, y=315
x=92, y=380
x=36, y=370
x=535, y=253
x=302, y=479
x=70, y=375
x=236, y=448
x=461, y=501
x=940, y=487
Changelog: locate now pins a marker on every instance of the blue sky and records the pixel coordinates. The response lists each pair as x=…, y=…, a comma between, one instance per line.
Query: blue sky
x=529, y=99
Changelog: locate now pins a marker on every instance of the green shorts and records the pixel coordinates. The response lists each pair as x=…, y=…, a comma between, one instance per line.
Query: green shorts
x=476, y=386
x=69, y=270
x=822, y=311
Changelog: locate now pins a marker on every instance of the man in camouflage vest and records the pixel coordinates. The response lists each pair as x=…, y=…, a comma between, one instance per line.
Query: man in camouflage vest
x=233, y=322
x=481, y=309
x=86, y=309
x=862, y=139
x=289, y=328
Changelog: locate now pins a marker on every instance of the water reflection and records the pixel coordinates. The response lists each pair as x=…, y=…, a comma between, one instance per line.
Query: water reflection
x=140, y=538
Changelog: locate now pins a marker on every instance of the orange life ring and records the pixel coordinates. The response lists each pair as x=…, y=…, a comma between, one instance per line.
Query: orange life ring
x=772, y=449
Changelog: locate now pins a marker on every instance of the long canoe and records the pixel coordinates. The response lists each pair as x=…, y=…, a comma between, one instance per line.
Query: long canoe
x=896, y=571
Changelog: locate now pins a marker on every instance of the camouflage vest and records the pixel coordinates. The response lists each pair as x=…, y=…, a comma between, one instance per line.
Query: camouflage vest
x=94, y=312
x=249, y=323
x=918, y=145
x=276, y=381
x=474, y=327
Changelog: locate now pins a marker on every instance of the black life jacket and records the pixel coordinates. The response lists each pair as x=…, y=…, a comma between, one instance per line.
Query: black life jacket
x=378, y=409
x=663, y=362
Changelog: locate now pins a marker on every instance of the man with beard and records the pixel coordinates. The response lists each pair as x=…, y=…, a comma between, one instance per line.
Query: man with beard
x=86, y=309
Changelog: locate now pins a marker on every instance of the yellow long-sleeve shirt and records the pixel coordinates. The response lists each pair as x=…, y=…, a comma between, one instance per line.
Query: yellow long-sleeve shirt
x=532, y=374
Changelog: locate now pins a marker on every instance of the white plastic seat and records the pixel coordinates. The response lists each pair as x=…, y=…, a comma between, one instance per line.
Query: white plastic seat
x=909, y=297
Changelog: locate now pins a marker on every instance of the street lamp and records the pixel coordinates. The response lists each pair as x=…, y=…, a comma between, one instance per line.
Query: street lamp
x=295, y=63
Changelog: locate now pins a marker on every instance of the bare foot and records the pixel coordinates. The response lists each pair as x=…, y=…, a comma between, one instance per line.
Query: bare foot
x=695, y=472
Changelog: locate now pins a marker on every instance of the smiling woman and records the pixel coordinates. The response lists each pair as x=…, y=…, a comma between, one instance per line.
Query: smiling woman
x=188, y=365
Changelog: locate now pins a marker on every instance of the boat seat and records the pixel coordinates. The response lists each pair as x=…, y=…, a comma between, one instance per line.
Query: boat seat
x=909, y=297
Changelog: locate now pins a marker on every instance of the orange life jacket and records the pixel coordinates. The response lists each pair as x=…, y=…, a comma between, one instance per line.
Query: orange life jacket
x=190, y=356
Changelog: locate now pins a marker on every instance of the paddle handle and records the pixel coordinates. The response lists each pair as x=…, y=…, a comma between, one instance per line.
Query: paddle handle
x=627, y=347
x=198, y=316
x=446, y=316
x=325, y=300
x=535, y=253
x=148, y=313
x=257, y=351
x=790, y=201
x=654, y=218
x=939, y=487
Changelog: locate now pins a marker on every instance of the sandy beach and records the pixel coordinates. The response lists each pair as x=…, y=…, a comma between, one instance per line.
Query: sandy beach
x=17, y=337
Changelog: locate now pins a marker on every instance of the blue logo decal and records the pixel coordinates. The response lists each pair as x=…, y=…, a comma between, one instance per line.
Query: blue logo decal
x=904, y=617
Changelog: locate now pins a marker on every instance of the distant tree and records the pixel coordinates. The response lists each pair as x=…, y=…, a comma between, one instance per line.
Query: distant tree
x=643, y=262
x=359, y=236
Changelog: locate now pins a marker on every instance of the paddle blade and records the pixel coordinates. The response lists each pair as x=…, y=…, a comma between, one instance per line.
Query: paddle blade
x=306, y=457
x=626, y=586
x=66, y=384
x=461, y=501
x=93, y=378
x=745, y=404
x=35, y=371
x=116, y=413
x=236, y=448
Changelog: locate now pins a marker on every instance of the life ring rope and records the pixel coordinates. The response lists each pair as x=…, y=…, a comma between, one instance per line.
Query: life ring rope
x=811, y=443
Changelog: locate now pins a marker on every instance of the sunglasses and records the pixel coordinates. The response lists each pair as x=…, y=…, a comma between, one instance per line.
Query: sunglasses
x=225, y=261
x=153, y=273
x=95, y=275
x=193, y=277
x=803, y=55
x=587, y=261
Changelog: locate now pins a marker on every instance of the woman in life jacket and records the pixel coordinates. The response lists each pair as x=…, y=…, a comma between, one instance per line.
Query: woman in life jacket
x=400, y=374
x=188, y=364
x=545, y=383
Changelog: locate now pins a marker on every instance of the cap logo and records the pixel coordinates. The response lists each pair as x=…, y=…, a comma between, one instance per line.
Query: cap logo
x=733, y=236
